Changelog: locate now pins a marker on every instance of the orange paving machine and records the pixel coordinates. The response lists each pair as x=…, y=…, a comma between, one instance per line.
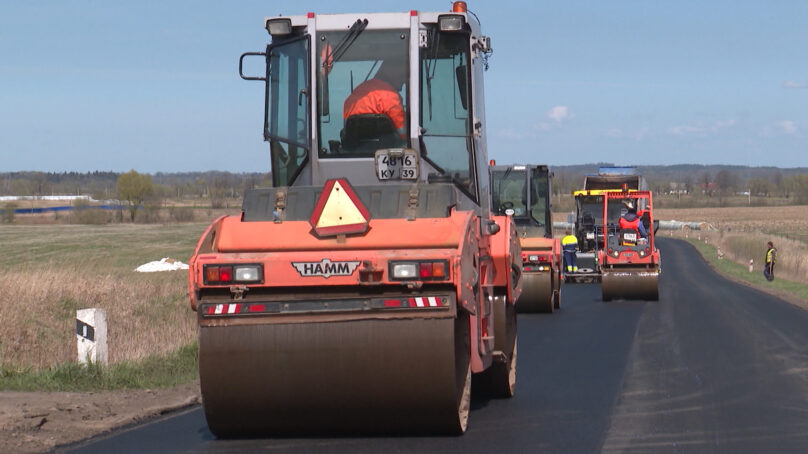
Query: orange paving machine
x=363, y=290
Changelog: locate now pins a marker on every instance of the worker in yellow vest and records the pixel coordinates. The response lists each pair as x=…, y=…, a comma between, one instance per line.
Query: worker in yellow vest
x=569, y=244
x=771, y=256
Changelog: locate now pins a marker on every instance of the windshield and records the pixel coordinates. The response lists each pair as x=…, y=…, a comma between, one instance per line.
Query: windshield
x=362, y=82
x=445, y=115
x=590, y=210
x=287, y=109
x=593, y=206
x=509, y=192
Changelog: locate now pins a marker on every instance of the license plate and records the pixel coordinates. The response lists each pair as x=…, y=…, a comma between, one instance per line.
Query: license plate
x=397, y=164
x=630, y=237
x=590, y=235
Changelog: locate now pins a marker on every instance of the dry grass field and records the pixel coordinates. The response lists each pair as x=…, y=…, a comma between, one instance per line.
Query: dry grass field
x=741, y=234
x=50, y=271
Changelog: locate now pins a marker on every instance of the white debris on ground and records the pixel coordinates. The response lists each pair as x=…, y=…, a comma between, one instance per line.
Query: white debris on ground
x=166, y=264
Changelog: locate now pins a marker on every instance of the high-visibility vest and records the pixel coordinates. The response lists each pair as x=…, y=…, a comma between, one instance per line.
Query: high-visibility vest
x=569, y=242
x=770, y=255
x=626, y=224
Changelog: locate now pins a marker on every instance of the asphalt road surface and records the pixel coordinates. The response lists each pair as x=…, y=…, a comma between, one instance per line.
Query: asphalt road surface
x=713, y=366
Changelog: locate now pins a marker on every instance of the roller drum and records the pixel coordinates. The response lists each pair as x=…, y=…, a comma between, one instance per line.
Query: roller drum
x=537, y=293
x=630, y=284
x=348, y=377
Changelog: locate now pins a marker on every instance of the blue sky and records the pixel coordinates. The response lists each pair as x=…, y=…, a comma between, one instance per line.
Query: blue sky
x=153, y=85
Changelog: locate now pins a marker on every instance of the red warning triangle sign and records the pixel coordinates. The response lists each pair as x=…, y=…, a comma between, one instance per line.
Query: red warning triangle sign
x=339, y=210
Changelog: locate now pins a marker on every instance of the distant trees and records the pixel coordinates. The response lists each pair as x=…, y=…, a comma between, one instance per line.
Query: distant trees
x=798, y=185
x=134, y=188
x=760, y=187
x=8, y=213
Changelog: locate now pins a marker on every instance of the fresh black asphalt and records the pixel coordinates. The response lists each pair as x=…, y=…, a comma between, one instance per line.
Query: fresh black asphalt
x=713, y=366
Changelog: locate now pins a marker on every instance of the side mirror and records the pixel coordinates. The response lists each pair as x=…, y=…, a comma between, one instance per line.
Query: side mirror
x=241, y=65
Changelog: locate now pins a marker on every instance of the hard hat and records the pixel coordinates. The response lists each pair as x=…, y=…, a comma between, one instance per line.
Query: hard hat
x=630, y=205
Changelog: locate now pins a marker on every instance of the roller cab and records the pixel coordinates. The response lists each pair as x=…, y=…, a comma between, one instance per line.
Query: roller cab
x=629, y=261
x=363, y=290
x=522, y=192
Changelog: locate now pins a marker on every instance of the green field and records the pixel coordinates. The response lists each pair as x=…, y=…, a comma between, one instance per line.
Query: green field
x=50, y=271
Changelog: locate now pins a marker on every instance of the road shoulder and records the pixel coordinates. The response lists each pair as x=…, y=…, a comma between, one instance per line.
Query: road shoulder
x=33, y=422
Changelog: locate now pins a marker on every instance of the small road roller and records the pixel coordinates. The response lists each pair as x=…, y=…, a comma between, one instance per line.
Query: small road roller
x=588, y=221
x=361, y=292
x=629, y=261
x=523, y=192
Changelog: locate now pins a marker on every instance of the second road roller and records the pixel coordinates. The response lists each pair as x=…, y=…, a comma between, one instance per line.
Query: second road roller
x=629, y=261
x=364, y=289
x=523, y=192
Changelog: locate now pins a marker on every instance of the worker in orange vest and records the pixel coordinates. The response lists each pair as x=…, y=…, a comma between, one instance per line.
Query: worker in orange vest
x=631, y=220
x=380, y=95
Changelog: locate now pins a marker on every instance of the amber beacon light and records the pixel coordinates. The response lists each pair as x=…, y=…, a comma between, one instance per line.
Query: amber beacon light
x=459, y=7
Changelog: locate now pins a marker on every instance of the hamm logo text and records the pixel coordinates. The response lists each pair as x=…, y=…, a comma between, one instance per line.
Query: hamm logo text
x=326, y=268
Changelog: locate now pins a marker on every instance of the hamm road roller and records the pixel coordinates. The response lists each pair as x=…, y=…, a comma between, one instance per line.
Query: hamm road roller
x=629, y=261
x=363, y=290
x=523, y=191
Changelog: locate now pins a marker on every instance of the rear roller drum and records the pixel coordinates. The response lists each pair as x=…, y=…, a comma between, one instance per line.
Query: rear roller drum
x=355, y=376
x=537, y=293
x=630, y=285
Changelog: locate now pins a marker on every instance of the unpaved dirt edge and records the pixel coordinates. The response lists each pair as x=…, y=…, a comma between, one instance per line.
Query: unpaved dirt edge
x=35, y=422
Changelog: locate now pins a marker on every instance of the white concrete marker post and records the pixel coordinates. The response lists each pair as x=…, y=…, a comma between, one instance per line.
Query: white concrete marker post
x=91, y=336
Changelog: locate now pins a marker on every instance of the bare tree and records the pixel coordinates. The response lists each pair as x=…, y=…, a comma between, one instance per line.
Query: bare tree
x=134, y=188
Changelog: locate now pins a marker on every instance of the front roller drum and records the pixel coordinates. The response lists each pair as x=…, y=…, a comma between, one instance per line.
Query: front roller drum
x=340, y=377
x=537, y=293
x=630, y=285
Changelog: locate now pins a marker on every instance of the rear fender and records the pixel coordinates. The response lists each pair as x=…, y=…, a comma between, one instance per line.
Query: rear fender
x=206, y=244
x=507, y=254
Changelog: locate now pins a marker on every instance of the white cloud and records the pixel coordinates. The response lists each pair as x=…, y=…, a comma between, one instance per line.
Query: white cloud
x=560, y=113
x=795, y=84
x=788, y=126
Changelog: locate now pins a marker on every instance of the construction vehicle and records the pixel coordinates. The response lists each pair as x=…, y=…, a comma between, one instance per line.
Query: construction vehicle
x=523, y=192
x=588, y=221
x=628, y=261
x=361, y=292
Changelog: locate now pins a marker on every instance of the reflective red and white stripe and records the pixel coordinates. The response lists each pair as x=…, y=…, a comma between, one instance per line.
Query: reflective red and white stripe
x=429, y=301
x=234, y=308
x=223, y=309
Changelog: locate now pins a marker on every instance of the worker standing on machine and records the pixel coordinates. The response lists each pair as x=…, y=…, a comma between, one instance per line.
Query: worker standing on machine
x=631, y=220
x=570, y=246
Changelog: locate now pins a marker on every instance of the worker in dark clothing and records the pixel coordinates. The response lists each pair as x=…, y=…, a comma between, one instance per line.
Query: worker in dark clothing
x=631, y=220
x=569, y=244
x=771, y=256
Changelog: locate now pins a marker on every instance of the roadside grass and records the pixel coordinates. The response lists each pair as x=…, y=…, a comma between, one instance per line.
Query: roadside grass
x=50, y=271
x=755, y=278
x=155, y=371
